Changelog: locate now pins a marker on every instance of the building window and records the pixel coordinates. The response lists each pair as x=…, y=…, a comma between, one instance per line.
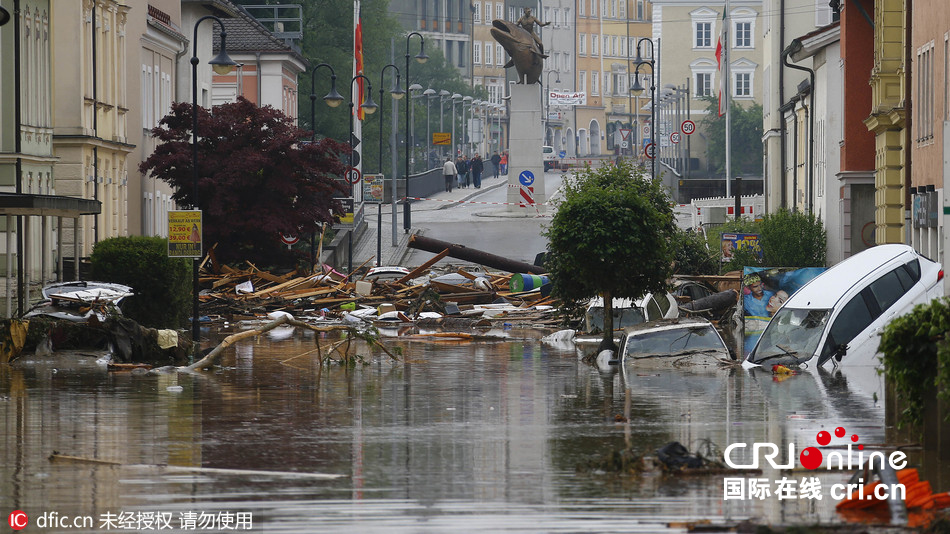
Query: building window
x=477, y=12
x=461, y=47
x=606, y=83
x=582, y=7
x=641, y=11
x=499, y=10
x=613, y=9
x=593, y=8
x=567, y=17
x=477, y=53
x=582, y=44
x=742, y=85
x=623, y=9
x=594, y=41
x=613, y=45
x=489, y=58
x=582, y=81
x=743, y=33
x=703, y=84
x=703, y=35
x=606, y=49
x=499, y=55
x=925, y=93
x=594, y=83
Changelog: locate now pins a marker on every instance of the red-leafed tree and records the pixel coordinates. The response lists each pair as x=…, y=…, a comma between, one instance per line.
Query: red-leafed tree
x=258, y=177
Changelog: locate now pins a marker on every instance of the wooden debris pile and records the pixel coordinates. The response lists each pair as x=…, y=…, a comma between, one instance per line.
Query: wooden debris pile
x=242, y=294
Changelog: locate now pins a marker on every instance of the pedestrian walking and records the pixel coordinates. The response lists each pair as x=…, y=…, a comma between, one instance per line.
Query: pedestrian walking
x=477, y=168
x=462, y=168
x=496, y=161
x=449, y=171
x=504, y=163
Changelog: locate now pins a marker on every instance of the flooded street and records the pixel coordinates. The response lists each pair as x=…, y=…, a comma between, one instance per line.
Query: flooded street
x=459, y=436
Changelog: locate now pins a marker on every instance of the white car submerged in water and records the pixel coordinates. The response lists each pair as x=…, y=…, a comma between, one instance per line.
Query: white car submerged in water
x=838, y=316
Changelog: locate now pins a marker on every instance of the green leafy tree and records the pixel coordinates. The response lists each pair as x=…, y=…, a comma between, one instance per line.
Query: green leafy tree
x=747, y=151
x=612, y=236
x=692, y=256
x=162, y=285
x=328, y=38
x=793, y=239
x=256, y=180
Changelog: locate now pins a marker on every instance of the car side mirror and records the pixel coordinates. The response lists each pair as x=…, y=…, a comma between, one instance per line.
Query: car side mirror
x=840, y=351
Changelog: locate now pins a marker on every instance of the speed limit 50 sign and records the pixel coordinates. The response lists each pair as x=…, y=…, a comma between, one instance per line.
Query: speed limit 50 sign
x=688, y=127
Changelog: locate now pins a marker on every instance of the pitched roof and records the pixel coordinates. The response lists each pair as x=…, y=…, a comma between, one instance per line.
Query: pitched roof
x=246, y=34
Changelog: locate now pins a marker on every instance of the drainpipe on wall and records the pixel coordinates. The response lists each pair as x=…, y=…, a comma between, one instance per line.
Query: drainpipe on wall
x=260, y=84
x=783, y=157
x=18, y=148
x=795, y=46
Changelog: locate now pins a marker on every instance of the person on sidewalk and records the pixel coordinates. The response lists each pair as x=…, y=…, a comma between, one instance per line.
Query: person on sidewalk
x=449, y=171
x=477, y=168
x=504, y=163
x=496, y=161
x=461, y=168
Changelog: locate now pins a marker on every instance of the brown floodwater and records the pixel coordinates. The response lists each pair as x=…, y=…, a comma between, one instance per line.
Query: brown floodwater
x=484, y=435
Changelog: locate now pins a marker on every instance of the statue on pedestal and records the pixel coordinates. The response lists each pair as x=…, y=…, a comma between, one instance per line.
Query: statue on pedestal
x=523, y=45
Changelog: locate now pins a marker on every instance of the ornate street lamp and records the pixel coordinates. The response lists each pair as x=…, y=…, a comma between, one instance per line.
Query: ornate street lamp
x=333, y=98
x=429, y=94
x=637, y=90
x=397, y=93
x=369, y=107
x=421, y=57
x=221, y=64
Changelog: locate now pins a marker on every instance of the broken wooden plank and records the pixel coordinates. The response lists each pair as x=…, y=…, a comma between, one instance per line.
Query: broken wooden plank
x=422, y=268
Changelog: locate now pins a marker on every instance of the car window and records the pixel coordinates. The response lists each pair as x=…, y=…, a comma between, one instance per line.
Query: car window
x=887, y=289
x=913, y=268
x=664, y=302
x=653, y=310
x=855, y=316
x=903, y=274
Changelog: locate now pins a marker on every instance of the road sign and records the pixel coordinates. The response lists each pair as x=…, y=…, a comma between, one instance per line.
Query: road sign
x=688, y=127
x=650, y=150
x=675, y=137
x=441, y=138
x=562, y=154
x=645, y=130
x=289, y=239
x=526, y=177
x=625, y=133
x=353, y=175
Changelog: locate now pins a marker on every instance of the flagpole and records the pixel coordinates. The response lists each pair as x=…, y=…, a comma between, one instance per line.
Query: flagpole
x=726, y=83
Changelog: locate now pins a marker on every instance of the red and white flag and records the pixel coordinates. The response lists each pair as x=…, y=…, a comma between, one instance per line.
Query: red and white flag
x=722, y=79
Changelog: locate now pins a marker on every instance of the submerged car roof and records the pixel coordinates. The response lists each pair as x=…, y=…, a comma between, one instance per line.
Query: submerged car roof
x=826, y=289
x=666, y=324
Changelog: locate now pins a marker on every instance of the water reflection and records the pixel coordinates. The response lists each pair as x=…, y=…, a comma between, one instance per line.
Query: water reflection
x=458, y=436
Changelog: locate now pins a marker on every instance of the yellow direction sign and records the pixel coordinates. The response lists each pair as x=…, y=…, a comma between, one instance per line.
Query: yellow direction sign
x=184, y=234
x=441, y=138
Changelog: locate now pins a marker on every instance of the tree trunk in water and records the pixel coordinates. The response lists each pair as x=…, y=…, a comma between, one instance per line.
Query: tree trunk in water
x=607, y=343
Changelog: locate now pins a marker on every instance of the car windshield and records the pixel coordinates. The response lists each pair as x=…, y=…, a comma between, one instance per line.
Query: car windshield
x=701, y=338
x=793, y=334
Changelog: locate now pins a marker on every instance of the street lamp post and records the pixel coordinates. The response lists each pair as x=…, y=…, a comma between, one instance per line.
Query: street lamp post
x=637, y=89
x=368, y=106
x=477, y=107
x=429, y=94
x=221, y=64
x=333, y=98
x=443, y=96
x=396, y=93
x=455, y=98
x=412, y=119
x=421, y=57
x=547, y=100
x=466, y=100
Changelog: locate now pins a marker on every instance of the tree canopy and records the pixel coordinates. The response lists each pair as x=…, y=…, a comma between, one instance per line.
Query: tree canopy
x=746, y=139
x=611, y=236
x=257, y=180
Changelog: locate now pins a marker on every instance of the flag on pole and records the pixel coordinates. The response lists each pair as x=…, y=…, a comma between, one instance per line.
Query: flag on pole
x=722, y=80
x=358, y=62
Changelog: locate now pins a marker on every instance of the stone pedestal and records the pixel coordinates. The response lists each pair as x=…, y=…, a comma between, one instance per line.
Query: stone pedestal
x=525, y=167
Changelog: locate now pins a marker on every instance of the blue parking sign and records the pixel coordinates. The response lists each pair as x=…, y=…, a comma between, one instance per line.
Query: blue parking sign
x=526, y=177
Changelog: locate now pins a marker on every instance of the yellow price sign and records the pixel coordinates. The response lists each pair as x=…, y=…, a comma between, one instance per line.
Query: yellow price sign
x=184, y=234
